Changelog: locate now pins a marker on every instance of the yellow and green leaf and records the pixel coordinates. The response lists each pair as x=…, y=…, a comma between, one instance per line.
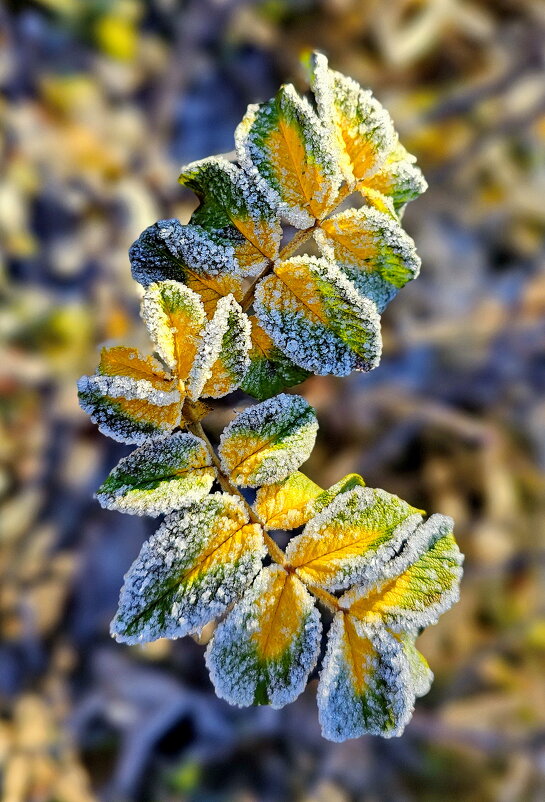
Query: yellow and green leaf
x=267, y=442
x=283, y=143
x=287, y=504
x=360, y=128
x=265, y=649
x=373, y=250
x=366, y=686
x=130, y=410
x=317, y=317
x=412, y=590
x=351, y=538
x=161, y=476
x=198, y=562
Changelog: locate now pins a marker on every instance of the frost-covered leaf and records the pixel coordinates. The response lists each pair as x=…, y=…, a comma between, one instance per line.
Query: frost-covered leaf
x=211, y=263
x=399, y=178
x=231, y=199
x=315, y=315
x=284, y=145
x=360, y=127
x=129, y=410
x=267, y=442
x=366, y=685
x=270, y=370
x=222, y=359
x=349, y=482
x=372, y=249
x=352, y=538
x=161, y=476
x=414, y=588
x=199, y=561
x=175, y=316
x=265, y=649
x=287, y=504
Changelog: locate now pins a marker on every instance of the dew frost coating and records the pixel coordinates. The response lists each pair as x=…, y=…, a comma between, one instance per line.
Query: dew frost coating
x=225, y=338
x=267, y=442
x=340, y=334
x=375, y=253
x=265, y=649
x=301, y=186
x=198, y=562
x=163, y=475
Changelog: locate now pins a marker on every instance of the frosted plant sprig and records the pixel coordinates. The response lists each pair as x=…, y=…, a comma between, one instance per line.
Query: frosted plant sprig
x=399, y=573
x=227, y=307
x=298, y=159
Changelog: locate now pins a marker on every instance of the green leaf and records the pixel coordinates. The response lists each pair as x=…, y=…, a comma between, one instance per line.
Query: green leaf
x=161, y=476
x=316, y=316
x=232, y=200
x=284, y=145
x=267, y=442
x=198, y=562
x=270, y=370
x=265, y=649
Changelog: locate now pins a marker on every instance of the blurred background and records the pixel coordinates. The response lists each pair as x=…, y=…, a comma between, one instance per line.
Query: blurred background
x=101, y=104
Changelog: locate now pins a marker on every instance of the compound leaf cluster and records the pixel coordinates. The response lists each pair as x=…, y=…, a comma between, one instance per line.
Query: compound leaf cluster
x=227, y=307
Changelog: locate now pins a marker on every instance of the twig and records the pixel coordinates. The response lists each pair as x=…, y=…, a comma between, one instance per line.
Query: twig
x=275, y=552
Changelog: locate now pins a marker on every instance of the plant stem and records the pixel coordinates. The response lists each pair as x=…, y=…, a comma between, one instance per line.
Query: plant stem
x=328, y=599
x=274, y=550
x=290, y=247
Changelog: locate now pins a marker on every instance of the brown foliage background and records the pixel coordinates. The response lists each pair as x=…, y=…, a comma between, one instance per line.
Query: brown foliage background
x=101, y=104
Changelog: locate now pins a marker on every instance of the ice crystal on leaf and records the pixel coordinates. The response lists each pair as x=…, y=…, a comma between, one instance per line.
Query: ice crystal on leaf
x=227, y=307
